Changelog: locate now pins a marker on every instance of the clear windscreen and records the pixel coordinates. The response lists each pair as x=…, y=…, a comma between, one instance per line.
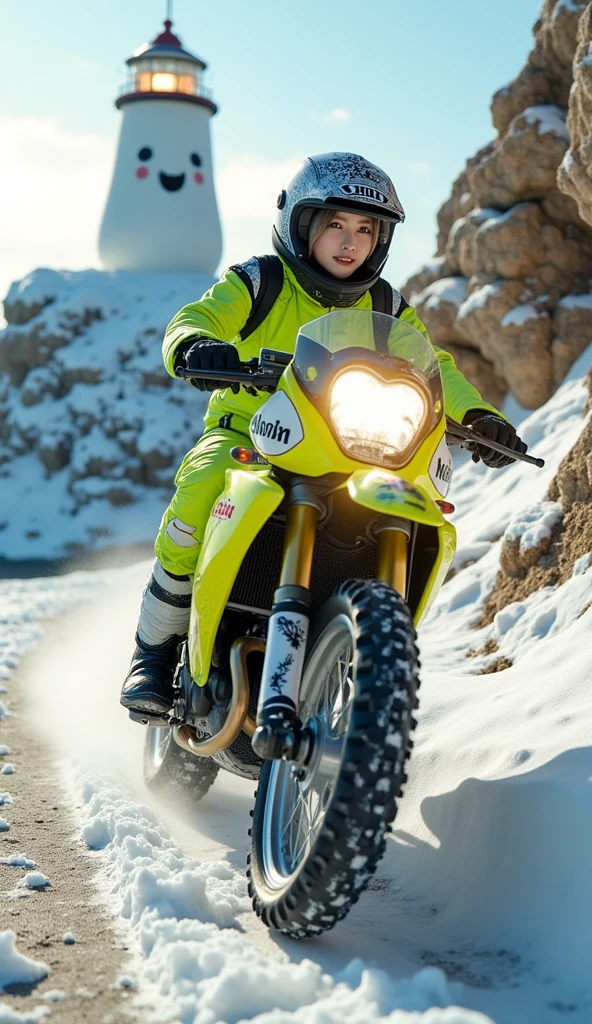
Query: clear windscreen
x=377, y=332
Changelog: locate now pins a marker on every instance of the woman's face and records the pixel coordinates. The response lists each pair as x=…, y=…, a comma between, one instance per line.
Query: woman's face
x=344, y=244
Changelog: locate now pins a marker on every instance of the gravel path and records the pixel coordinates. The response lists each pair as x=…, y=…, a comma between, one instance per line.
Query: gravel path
x=88, y=970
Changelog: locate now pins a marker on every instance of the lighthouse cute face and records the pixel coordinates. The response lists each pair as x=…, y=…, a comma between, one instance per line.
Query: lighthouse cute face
x=164, y=152
x=161, y=213
x=169, y=182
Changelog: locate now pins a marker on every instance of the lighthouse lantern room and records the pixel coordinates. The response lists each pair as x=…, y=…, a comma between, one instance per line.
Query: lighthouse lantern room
x=161, y=212
x=164, y=68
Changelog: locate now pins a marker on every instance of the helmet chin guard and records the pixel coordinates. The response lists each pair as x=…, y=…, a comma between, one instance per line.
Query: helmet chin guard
x=338, y=181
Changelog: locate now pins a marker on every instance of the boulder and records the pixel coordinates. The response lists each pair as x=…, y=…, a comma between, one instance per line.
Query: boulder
x=524, y=163
x=459, y=249
x=547, y=76
x=528, y=537
x=427, y=274
x=575, y=173
x=512, y=334
x=480, y=372
x=437, y=306
x=572, y=333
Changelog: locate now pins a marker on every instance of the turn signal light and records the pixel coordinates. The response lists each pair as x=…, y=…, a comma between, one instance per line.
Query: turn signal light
x=446, y=507
x=247, y=457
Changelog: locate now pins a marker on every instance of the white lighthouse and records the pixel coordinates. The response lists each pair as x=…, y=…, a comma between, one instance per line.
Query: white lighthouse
x=161, y=212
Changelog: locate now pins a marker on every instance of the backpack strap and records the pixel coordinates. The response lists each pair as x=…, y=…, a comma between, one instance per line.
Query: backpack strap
x=385, y=299
x=263, y=276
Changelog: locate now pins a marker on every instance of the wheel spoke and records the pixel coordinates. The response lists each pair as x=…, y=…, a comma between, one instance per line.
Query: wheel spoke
x=312, y=821
x=302, y=828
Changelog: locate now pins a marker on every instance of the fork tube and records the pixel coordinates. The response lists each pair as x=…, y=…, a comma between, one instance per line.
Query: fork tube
x=287, y=630
x=299, y=542
x=391, y=563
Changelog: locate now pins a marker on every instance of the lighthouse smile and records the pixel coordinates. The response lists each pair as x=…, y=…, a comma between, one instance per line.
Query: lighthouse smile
x=172, y=182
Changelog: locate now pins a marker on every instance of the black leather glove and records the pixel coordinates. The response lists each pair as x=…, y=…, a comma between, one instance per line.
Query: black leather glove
x=208, y=354
x=494, y=428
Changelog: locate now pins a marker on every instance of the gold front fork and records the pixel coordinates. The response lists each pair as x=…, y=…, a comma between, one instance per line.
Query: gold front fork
x=299, y=542
x=391, y=563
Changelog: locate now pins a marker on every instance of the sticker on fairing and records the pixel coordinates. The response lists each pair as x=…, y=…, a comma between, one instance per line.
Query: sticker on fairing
x=223, y=510
x=276, y=428
x=441, y=468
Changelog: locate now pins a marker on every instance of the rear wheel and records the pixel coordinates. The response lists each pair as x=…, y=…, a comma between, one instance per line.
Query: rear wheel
x=319, y=830
x=171, y=771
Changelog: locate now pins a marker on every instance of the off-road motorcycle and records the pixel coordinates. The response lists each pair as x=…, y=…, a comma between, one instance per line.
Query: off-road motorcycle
x=322, y=555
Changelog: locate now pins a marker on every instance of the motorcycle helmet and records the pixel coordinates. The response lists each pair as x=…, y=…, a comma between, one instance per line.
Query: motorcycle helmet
x=337, y=181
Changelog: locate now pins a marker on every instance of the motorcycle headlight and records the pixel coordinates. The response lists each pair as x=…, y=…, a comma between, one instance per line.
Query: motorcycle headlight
x=376, y=420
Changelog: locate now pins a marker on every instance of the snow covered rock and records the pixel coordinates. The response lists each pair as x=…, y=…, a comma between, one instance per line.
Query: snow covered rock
x=524, y=162
x=547, y=76
x=573, y=484
x=548, y=543
x=88, y=414
x=528, y=537
x=575, y=173
x=438, y=306
x=430, y=272
x=507, y=224
x=572, y=331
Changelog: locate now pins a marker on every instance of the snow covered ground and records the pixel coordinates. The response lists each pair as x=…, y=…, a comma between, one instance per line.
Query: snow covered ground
x=483, y=901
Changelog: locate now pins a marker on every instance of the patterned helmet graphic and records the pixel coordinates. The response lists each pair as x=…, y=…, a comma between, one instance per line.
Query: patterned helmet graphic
x=340, y=181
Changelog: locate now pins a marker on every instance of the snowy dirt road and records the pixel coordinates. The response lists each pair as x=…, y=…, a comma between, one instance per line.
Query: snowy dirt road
x=48, y=893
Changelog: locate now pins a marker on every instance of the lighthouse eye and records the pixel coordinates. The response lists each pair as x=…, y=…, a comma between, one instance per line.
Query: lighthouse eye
x=145, y=153
x=195, y=159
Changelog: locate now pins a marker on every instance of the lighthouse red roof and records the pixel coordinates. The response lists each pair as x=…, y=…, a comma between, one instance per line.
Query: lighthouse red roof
x=167, y=38
x=166, y=44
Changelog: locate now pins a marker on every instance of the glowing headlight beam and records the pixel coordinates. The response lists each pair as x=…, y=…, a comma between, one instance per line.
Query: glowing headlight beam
x=369, y=414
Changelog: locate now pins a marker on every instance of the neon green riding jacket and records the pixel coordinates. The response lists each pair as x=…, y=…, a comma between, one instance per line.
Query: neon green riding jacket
x=223, y=312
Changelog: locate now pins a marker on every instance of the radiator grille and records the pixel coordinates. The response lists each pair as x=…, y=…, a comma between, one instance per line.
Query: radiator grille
x=259, y=574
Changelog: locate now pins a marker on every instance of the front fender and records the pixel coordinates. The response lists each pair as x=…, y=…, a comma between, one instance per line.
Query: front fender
x=391, y=495
x=248, y=500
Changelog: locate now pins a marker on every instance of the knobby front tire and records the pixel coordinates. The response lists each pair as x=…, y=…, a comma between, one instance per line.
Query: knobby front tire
x=318, y=833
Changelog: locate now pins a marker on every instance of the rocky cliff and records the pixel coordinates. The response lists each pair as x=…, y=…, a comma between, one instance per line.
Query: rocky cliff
x=92, y=428
x=508, y=293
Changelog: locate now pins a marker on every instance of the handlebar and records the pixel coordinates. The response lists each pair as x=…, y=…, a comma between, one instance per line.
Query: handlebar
x=265, y=372
x=459, y=434
x=248, y=377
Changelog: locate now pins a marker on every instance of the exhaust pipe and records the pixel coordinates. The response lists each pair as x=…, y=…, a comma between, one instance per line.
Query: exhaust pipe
x=238, y=717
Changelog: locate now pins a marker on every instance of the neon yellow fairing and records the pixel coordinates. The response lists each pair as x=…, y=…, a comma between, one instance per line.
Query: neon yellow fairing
x=248, y=500
x=446, y=549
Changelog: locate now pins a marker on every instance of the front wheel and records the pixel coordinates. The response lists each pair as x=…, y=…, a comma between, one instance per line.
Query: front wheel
x=319, y=830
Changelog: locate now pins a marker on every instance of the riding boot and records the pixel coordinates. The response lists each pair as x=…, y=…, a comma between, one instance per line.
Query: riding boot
x=162, y=626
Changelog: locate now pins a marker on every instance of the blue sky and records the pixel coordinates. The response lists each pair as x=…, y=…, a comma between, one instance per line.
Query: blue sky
x=407, y=83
